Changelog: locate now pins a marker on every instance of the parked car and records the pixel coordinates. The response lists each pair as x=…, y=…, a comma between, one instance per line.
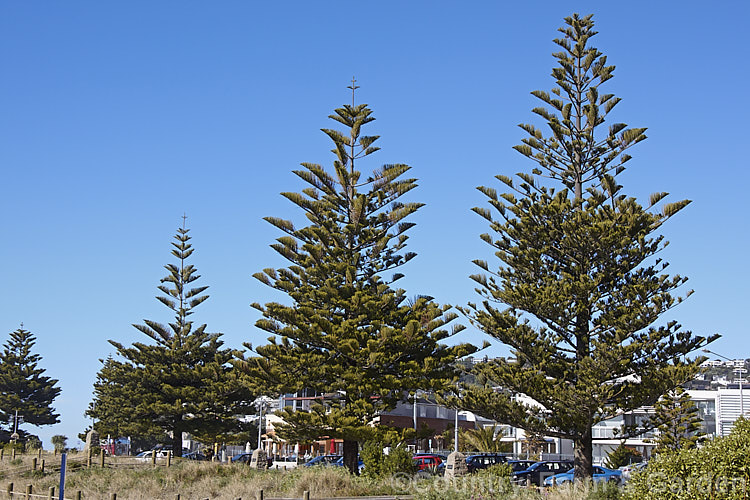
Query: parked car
x=194, y=455
x=600, y=474
x=244, y=458
x=146, y=456
x=427, y=462
x=430, y=454
x=628, y=470
x=539, y=471
x=482, y=461
x=340, y=463
x=323, y=460
x=520, y=465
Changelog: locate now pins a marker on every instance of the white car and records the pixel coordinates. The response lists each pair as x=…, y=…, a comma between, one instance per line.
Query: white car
x=628, y=470
x=145, y=456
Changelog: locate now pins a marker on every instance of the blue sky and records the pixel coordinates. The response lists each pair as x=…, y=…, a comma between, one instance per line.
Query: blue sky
x=117, y=118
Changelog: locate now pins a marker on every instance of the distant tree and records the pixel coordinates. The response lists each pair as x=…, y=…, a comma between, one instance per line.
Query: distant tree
x=60, y=442
x=482, y=439
x=580, y=293
x=23, y=386
x=623, y=455
x=181, y=382
x=345, y=331
x=33, y=443
x=677, y=420
x=113, y=404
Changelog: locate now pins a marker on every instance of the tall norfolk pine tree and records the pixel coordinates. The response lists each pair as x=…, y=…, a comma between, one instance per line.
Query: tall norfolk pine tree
x=347, y=333
x=580, y=294
x=183, y=381
x=23, y=387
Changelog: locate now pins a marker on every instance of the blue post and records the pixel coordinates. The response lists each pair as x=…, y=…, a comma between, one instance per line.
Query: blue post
x=63, y=460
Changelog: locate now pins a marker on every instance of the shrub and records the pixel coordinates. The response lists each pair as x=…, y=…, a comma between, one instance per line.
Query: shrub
x=398, y=461
x=373, y=457
x=622, y=455
x=720, y=470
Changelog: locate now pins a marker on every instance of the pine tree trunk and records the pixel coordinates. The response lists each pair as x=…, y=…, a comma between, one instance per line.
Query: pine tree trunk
x=177, y=441
x=351, y=455
x=583, y=456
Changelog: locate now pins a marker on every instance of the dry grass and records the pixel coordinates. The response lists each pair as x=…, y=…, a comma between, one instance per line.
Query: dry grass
x=201, y=480
x=195, y=480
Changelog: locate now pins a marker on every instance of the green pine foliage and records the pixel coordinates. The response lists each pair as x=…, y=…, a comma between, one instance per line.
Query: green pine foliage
x=346, y=331
x=23, y=386
x=181, y=380
x=579, y=293
x=678, y=422
x=622, y=455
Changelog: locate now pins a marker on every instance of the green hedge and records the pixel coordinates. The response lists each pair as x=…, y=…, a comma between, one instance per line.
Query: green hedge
x=720, y=470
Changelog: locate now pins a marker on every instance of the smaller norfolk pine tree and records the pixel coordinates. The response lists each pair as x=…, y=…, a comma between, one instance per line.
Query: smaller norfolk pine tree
x=678, y=421
x=181, y=382
x=580, y=293
x=346, y=332
x=23, y=386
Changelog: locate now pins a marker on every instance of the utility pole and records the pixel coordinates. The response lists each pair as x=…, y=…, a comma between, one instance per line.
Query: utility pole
x=14, y=437
x=455, y=434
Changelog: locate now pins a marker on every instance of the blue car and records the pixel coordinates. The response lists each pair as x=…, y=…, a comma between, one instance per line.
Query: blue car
x=600, y=474
x=340, y=463
x=323, y=460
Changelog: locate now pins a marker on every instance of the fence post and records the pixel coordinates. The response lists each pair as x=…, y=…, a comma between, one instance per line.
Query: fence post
x=42, y=466
x=306, y=495
x=177, y=497
x=33, y=463
x=40, y=453
x=29, y=491
x=13, y=453
x=88, y=460
x=102, y=459
x=79, y=495
x=169, y=458
x=2, y=452
x=153, y=457
x=259, y=496
x=9, y=491
x=113, y=496
x=51, y=493
x=63, y=466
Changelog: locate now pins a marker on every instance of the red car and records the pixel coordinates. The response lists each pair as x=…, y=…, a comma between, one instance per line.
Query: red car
x=427, y=461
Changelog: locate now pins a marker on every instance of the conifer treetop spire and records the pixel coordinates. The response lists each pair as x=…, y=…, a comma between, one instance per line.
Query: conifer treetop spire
x=354, y=87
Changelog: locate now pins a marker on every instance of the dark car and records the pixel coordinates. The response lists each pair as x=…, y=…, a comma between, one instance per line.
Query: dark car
x=540, y=471
x=242, y=458
x=245, y=458
x=194, y=455
x=520, y=465
x=482, y=461
x=323, y=460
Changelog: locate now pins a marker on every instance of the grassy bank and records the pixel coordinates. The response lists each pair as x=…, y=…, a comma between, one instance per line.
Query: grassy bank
x=198, y=481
